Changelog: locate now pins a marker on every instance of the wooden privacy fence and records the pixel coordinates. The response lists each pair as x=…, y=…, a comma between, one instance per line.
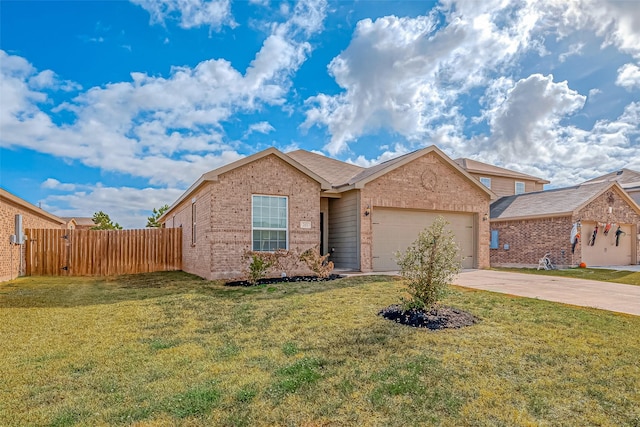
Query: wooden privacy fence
x=57, y=252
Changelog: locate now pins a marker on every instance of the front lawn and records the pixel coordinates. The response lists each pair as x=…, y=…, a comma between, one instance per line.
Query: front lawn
x=172, y=349
x=601, y=274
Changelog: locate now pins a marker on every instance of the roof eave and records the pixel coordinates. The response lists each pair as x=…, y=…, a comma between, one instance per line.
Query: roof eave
x=38, y=211
x=538, y=216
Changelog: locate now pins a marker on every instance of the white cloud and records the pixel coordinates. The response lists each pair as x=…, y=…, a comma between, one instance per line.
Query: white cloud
x=617, y=22
x=388, y=154
x=167, y=129
x=260, y=127
x=127, y=206
x=593, y=93
x=574, y=49
x=191, y=13
x=566, y=155
x=54, y=184
x=628, y=76
x=407, y=75
x=523, y=117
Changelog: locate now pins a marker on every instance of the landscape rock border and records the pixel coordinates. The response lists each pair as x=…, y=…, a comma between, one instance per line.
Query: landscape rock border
x=286, y=279
x=440, y=317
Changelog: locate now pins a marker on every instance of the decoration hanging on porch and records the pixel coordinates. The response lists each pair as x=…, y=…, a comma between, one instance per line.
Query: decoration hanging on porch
x=619, y=233
x=592, y=241
x=575, y=236
x=607, y=227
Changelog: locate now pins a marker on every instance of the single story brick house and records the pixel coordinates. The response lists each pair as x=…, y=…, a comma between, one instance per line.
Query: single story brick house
x=361, y=216
x=524, y=227
x=12, y=255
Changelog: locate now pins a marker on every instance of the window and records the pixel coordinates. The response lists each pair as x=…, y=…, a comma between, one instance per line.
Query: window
x=269, y=223
x=519, y=187
x=193, y=223
x=494, y=240
x=486, y=181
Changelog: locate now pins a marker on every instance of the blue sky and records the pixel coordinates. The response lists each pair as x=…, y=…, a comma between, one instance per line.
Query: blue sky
x=119, y=106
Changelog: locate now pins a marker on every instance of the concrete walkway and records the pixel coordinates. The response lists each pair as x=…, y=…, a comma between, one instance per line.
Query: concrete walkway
x=586, y=293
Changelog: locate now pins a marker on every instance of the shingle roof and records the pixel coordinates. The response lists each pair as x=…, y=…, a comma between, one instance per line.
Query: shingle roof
x=627, y=178
x=475, y=166
x=334, y=171
x=80, y=220
x=377, y=168
x=549, y=202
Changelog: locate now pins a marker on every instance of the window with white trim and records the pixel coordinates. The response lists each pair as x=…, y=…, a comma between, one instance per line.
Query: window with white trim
x=269, y=219
x=193, y=223
x=519, y=187
x=485, y=181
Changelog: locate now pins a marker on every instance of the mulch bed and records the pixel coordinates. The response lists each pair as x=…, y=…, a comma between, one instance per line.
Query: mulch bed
x=287, y=279
x=441, y=317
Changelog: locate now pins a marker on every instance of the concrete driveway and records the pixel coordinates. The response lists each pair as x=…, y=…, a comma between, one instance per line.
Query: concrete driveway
x=585, y=293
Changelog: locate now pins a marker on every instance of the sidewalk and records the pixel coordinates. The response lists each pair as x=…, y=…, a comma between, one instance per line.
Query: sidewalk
x=586, y=293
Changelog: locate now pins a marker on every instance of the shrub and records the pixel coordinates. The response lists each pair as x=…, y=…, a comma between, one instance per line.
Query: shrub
x=260, y=264
x=316, y=262
x=287, y=261
x=428, y=265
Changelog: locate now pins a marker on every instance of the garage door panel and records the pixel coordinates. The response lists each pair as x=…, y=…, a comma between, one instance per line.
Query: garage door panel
x=604, y=251
x=395, y=229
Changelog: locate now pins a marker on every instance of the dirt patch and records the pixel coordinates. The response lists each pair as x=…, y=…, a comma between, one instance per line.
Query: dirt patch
x=441, y=317
x=287, y=279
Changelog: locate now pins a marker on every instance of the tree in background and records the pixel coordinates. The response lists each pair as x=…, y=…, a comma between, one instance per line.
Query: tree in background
x=103, y=222
x=152, y=221
x=429, y=265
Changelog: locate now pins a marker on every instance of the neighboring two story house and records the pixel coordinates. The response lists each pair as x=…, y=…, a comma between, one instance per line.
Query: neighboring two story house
x=503, y=182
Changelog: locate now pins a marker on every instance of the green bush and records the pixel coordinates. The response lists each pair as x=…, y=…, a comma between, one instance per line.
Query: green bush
x=261, y=263
x=428, y=265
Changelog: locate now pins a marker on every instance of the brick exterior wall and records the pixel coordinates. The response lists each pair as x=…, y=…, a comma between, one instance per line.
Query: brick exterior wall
x=530, y=239
x=196, y=258
x=427, y=183
x=12, y=256
x=224, y=216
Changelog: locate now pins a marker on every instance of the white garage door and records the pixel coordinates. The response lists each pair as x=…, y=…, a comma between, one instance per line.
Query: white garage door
x=395, y=229
x=604, y=251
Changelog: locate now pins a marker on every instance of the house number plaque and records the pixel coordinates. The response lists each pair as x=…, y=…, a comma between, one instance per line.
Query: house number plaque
x=305, y=224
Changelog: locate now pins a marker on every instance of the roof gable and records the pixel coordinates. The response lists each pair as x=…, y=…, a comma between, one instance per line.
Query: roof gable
x=214, y=174
x=557, y=202
x=376, y=171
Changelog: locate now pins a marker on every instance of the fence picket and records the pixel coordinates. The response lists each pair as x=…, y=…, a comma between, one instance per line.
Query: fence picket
x=102, y=252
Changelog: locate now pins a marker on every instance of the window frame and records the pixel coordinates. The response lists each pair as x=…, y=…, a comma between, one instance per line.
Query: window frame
x=285, y=229
x=487, y=179
x=194, y=222
x=524, y=187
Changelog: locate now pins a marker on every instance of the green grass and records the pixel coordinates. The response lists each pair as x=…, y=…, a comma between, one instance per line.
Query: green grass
x=173, y=349
x=603, y=275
